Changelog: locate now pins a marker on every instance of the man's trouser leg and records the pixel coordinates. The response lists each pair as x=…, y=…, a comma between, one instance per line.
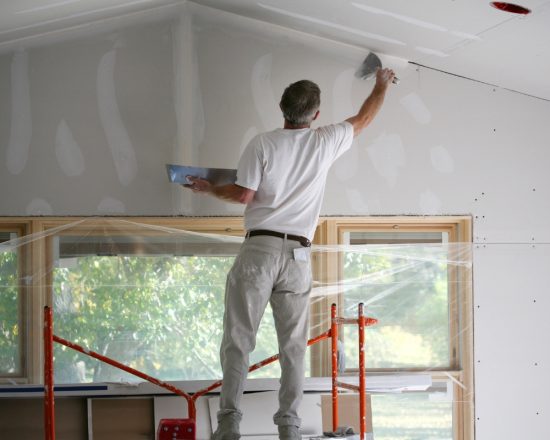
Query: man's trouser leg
x=249, y=286
x=290, y=304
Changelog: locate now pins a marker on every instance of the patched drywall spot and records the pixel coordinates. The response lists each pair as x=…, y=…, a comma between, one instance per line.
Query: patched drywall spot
x=341, y=95
x=68, y=152
x=118, y=139
x=110, y=205
x=346, y=167
x=416, y=108
x=430, y=204
x=387, y=155
x=248, y=136
x=119, y=41
x=39, y=207
x=264, y=100
x=17, y=152
x=357, y=201
x=442, y=160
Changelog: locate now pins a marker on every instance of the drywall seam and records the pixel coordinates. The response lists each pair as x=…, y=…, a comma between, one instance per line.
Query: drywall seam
x=118, y=139
x=262, y=92
x=19, y=142
x=348, y=50
x=189, y=110
x=68, y=152
x=100, y=24
x=370, y=35
x=76, y=15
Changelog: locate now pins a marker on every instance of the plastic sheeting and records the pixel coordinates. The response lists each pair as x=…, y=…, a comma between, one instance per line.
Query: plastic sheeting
x=152, y=297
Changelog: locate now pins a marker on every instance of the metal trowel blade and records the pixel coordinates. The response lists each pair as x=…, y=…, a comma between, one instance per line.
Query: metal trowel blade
x=367, y=70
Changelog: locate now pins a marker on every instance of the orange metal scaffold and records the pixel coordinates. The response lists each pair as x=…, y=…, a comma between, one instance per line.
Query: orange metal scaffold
x=362, y=322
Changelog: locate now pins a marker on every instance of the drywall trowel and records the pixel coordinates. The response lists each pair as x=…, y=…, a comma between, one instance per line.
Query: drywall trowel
x=217, y=176
x=368, y=69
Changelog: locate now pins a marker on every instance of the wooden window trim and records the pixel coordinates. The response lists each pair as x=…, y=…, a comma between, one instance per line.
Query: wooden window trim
x=22, y=228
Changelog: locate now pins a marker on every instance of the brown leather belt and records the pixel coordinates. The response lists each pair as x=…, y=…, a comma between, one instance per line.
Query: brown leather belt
x=303, y=240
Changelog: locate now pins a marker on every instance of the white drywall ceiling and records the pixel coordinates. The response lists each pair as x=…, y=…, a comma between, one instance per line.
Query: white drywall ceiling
x=467, y=37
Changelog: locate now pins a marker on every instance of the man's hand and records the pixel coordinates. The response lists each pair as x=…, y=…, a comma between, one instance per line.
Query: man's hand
x=384, y=77
x=229, y=193
x=196, y=184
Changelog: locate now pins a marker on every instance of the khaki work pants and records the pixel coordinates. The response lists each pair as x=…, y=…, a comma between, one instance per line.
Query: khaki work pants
x=266, y=269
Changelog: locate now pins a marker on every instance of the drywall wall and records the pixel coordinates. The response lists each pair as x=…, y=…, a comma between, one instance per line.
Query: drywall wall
x=512, y=357
x=88, y=122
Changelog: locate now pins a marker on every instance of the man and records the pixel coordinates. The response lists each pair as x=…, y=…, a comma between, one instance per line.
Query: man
x=281, y=178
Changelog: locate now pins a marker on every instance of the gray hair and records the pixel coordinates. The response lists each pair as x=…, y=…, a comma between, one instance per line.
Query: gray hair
x=300, y=102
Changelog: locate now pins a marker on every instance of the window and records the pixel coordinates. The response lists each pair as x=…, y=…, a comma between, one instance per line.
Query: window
x=413, y=275
x=147, y=297
x=406, y=287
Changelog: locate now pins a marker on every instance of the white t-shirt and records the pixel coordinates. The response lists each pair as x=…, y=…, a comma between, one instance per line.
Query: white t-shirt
x=288, y=171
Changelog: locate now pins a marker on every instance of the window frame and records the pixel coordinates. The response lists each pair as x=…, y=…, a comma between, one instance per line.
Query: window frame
x=21, y=228
x=331, y=230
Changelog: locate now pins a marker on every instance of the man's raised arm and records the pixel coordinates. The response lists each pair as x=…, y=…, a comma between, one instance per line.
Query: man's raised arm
x=372, y=104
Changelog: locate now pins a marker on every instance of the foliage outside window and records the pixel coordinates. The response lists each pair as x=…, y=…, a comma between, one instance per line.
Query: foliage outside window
x=159, y=313
x=407, y=289
x=415, y=278
x=10, y=307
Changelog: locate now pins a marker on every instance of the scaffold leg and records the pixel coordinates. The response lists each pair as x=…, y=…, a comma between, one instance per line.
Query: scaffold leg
x=362, y=388
x=49, y=402
x=334, y=349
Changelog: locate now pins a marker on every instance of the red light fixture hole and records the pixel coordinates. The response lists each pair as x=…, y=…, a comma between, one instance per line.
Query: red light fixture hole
x=511, y=7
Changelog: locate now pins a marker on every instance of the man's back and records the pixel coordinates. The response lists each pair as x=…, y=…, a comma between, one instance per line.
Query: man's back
x=287, y=168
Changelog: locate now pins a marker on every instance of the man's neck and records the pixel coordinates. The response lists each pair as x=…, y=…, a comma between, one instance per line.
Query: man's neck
x=289, y=126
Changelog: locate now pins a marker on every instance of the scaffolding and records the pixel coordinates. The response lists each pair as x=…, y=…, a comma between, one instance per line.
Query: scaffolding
x=361, y=321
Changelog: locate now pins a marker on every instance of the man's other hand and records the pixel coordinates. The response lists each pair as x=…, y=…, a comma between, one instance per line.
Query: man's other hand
x=230, y=192
x=198, y=185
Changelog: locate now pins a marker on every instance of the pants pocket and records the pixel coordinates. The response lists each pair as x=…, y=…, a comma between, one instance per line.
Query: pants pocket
x=298, y=277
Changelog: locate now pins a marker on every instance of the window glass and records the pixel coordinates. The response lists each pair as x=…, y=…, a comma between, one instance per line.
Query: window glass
x=407, y=290
x=157, y=312
x=10, y=308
